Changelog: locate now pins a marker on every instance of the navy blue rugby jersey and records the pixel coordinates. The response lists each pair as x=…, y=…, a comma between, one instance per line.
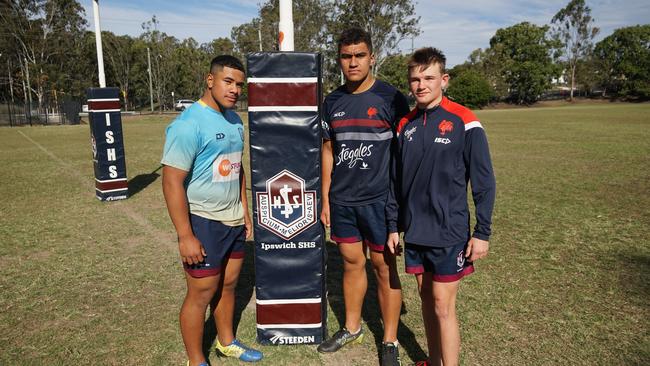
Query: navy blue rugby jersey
x=361, y=128
x=440, y=150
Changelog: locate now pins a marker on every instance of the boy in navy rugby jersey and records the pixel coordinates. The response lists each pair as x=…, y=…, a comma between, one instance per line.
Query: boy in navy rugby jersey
x=441, y=146
x=359, y=120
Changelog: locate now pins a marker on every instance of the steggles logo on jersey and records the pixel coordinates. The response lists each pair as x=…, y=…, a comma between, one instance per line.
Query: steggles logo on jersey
x=352, y=156
x=286, y=209
x=409, y=133
x=372, y=111
x=445, y=126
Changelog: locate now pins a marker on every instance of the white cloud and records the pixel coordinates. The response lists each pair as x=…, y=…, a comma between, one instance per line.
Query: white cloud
x=459, y=27
x=202, y=24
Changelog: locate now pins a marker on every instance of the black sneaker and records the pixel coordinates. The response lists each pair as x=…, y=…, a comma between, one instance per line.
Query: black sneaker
x=340, y=339
x=390, y=354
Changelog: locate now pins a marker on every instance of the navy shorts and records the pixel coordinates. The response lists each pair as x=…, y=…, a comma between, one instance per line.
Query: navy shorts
x=220, y=243
x=448, y=264
x=367, y=223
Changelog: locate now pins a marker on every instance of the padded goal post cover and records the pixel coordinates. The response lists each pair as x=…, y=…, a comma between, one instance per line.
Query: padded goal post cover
x=284, y=94
x=107, y=142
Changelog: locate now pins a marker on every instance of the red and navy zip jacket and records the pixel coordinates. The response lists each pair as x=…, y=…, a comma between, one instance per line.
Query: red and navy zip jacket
x=440, y=150
x=361, y=128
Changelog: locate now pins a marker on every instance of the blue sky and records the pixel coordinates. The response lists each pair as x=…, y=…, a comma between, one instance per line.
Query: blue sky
x=456, y=27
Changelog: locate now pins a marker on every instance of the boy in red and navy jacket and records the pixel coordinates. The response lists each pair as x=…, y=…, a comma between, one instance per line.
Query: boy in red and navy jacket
x=441, y=146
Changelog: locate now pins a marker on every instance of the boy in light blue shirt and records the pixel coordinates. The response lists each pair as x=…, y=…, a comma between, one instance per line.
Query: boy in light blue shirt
x=205, y=189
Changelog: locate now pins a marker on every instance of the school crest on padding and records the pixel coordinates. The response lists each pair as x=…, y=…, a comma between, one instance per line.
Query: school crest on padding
x=286, y=209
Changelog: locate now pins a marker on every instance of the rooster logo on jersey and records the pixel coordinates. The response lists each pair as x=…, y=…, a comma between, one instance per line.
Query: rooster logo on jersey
x=372, y=112
x=445, y=126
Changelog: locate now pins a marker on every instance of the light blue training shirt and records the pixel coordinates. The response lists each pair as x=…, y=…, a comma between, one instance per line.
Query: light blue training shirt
x=208, y=145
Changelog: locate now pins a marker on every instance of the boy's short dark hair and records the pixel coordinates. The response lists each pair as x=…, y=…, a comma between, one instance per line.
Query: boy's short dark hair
x=354, y=35
x=221, y=61
x=426, y=56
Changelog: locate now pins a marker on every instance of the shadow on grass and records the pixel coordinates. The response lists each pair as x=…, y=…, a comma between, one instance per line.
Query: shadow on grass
x=635, y=280
x=243, y=294
x=371, y=313
x=142, y=181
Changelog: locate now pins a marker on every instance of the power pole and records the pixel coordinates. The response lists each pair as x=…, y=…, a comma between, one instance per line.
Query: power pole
x=29, y=92
x=11, y=90
x=150, y=84
x=11, y=81
x=259, y=34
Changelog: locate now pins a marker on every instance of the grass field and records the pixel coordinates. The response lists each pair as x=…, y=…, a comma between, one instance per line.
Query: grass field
x=567, y=280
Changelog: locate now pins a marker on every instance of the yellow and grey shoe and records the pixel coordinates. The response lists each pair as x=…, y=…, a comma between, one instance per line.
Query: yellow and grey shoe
x=340, y=339
x=201, y=364
x=239, y=350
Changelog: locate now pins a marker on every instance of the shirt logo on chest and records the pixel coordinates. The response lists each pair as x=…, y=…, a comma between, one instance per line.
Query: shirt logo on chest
x=338, y=114
x=352, y=156
x=372, y=111
x=408, y=134
x=220, y=136
x=445, y=126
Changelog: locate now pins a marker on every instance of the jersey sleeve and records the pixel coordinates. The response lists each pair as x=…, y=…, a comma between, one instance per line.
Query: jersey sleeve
x=392, y=206
x=181, y=145
x=400, y=107
x=325, y=122
x=481, y=175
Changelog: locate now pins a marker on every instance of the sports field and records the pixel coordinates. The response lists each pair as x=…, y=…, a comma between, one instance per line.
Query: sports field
x=567, y=281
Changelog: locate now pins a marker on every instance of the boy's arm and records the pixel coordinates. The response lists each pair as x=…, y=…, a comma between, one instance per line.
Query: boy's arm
x=481, y=175
x=189, y=246
x=327, y=163
x=244, y=201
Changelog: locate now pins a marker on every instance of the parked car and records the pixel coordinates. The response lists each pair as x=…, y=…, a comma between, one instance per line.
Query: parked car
x=181, y=104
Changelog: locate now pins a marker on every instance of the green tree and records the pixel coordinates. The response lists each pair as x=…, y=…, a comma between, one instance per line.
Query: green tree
x=192, y=65
x=469, y=87
x=572, y=28
x=218, y=46
x=121, y=58
x=162, y=47
x=309, y=28
x=388, y=22
x=490, y=63
x=42, y=31
x=394, y=71
x=527, y=64
x=624, y=60
x=310, y=31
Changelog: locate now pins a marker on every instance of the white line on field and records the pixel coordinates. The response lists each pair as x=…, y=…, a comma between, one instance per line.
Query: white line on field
x=161, y=236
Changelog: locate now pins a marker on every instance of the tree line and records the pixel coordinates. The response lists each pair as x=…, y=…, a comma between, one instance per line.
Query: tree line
x=49, y=55
x=526, y=61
